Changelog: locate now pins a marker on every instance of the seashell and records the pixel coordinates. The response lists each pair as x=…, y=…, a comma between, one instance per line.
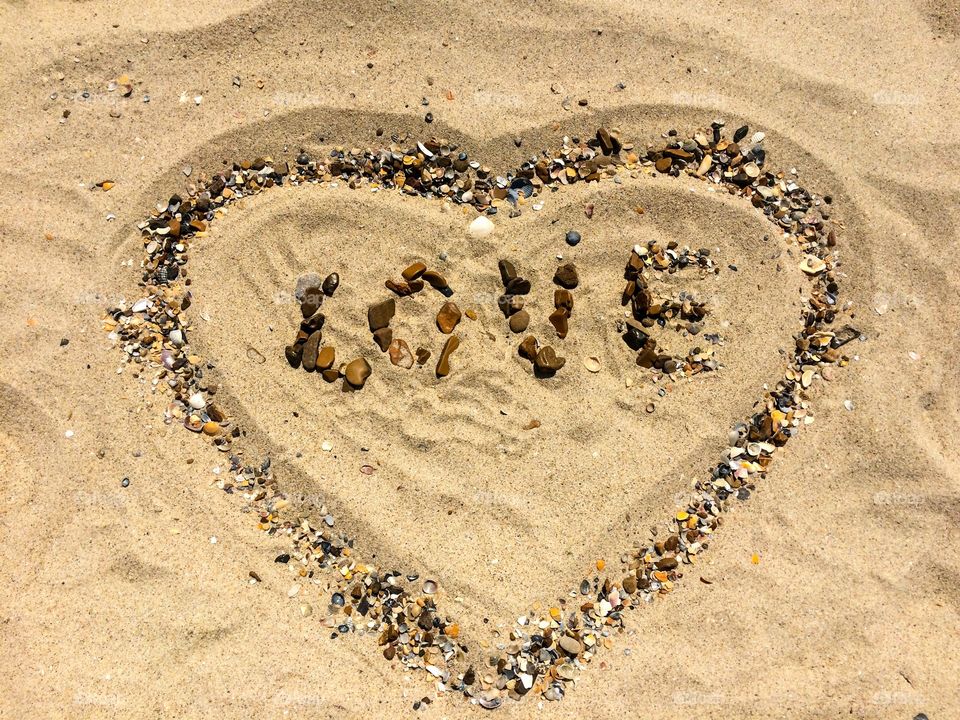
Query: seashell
x=481, y=227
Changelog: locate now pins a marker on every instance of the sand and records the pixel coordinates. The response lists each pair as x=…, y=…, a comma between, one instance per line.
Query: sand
x=119, y=604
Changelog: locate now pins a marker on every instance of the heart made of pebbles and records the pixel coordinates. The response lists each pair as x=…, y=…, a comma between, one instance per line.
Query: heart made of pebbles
x=447, y=471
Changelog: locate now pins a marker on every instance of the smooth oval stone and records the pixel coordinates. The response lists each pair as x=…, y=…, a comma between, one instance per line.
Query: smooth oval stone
x=310, y=350
x=519, y=321
x=330, y=375
x=566, y=276
x=570, y=645
x=380, y=314
x=414, y=271
x=435, y=279
x=663, y=164
x=448, y=317
x=356, y=372
x=443, y=364
x=573, y=238
x=330, y=284
x=326, y=357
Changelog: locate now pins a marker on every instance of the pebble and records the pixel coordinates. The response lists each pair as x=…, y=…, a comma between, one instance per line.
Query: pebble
x=400, y=354
x=572, y=238
x=547, y=361
x=326, y=358
x=330, y=284
x=443, y=364
x=310, y=351
x=481, y=227
x=307, y=280
x=448, y=317
x=412, y=272
x=383, y=337
x=529, y=347
x=294, y=355
x=558, y=318
x=356, y=372
x=570, y=645
x=519, y=321
x=380, y=314
x=566, y=276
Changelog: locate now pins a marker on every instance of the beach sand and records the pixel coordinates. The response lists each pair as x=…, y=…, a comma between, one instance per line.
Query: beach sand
x=137, y=602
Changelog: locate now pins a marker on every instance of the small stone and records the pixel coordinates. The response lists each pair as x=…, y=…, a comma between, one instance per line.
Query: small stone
x=443, y=364
x=435, y=280
x=563, y=298
x=566, y=276
x=558, y=318
x=330, y=284
x=306, y=610
x=518, y=286
x=663, y=164
x=481, y=227
x=547, y=361
x=380, y=314
x=414, y=271
x=383, y=337
x=356, y=372
x=572, y=238
x=294, y=355
x=507, y=271
x=312, y=299
x=519, y=321
x=448, y=317
x=528, y=348
x=400, y=354
x=305, y=281
x=310, y=351
x=422, y=355
x=326, y=358
x=570, y=645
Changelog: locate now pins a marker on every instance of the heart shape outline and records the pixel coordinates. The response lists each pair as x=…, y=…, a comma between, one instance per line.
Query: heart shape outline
x=556, y=653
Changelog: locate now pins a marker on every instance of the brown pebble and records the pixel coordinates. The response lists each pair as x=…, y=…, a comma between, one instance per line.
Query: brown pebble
x=563, y=298
x=570, y=645
x=400, y=354
x=507, y=271
x=472, y=314
x=294, y=355
x=326, y=357
x=310, y=350
x=518, y=286
x=532, y=425
x=547, y=361
x=400, y=287
x=380, y=315
x=356, y=372
x=422, y=355
x=330, y=374
x=435, y=280
x=448, y=317
x=558, y=318
x=663, y=164
x=383, y=337
x=529, y=347
x=312, y=299
x=414, y=271
x=566, y=276
x=443, y=364
x=519, y=321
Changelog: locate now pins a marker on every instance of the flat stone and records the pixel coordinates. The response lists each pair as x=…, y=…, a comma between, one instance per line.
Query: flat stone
x=519, y=321
x=443, y=364
x=448, y=317
x=570, y=645
x=422, y=355
x=400, y=354
x=356, y=372
x=412, y=272
x=380, y=315
x=326, y=357
x=566, y=276
x=310, y=350
x=435, y=280
x=383, y=337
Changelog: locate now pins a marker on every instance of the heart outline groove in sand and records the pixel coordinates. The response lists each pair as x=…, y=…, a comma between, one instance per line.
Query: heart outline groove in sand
x=547, y=649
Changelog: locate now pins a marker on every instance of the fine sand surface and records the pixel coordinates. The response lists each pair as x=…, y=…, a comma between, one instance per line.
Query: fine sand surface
x=118, y=601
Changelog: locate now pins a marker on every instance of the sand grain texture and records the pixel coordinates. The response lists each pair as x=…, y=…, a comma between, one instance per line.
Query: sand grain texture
x=118, y=604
